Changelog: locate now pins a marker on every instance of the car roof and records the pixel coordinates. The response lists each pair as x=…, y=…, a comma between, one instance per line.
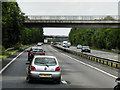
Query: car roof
x=40, y=42
x=44, y=56
x=36, y=47
x=85, y=46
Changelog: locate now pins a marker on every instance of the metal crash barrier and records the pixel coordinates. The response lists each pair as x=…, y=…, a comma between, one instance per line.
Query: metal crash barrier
x=108, y=62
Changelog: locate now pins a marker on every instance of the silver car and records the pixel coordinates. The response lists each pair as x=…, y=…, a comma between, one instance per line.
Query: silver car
x=85, y=49
x=39, y=44
x=79, y=46
x=43, y=68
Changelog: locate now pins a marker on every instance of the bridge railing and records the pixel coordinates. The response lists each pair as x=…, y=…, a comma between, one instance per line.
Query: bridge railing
x=79, y=18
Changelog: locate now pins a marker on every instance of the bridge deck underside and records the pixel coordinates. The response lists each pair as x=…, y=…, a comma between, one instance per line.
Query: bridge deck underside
x=82, y=25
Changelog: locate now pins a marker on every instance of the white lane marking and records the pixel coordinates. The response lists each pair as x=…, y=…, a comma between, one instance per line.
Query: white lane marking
x=61, y=77
x=10, y=62
x=89, y=66
x=64, y=82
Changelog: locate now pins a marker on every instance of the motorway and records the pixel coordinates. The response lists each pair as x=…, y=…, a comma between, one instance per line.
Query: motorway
x=76, y=73
x=102, y=54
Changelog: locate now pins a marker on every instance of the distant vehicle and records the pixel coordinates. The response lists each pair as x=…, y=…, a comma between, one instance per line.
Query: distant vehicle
x=48, y=43
x=51, y=42
x=59, y=43
x=45, y=41
x=44, y=68
x=69, y=43
x=65, y=42
x=85, y=49
x=39, y=44
x=54, y=43
x=35, y=51
x=79, y=46
x=66, y=45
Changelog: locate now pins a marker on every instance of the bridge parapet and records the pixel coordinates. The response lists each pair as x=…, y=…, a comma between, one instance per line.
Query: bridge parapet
x=70, y=21
x=75, y=18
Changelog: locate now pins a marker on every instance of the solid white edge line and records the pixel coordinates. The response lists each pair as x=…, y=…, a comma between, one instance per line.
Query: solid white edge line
x=90, y=66
x=10, y=63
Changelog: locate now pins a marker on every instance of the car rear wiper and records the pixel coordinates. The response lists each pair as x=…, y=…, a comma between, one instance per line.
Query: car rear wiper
x=42, y=63
x=47, y=65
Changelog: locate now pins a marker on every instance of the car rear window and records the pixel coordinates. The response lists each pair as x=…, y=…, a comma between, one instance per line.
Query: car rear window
x=45, y=61
x=86, y=47
x=37, y=50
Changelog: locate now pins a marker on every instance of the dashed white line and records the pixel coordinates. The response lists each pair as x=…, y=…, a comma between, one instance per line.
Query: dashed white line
x=64, y=82
x=10, y=62
x=89, y=66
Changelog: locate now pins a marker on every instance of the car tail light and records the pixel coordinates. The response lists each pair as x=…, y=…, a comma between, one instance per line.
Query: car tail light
x=32, y=68
x=42, y=53
x=30, y=52
x=57, y=69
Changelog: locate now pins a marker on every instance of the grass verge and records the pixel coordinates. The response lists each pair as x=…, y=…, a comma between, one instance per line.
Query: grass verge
x=105, y=50
x=6, y=54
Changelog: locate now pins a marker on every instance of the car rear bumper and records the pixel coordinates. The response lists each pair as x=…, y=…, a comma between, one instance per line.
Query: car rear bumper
x=37, y=75
x=85, y=50
x=79, y=48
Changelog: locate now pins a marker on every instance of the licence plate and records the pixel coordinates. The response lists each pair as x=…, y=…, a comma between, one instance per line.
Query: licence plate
x=36, y=54
x=45, y=75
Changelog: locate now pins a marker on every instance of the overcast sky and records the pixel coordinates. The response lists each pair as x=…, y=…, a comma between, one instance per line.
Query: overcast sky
x=67, y=7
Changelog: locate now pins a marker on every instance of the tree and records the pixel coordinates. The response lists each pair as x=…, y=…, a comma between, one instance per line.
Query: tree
x=13, y=30
x=108, y=18
x=102, y=38
x=12, y=19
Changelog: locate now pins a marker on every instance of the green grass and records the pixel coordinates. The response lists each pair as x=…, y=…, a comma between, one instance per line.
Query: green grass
x=104, y=50
x=6, y=54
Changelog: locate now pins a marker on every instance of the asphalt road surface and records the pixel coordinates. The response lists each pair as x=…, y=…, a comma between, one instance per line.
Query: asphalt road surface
x=76, y=73
x=107, y=55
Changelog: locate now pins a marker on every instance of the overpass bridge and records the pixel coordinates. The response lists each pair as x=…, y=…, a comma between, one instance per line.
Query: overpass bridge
x=103, y=21
x=55, y=36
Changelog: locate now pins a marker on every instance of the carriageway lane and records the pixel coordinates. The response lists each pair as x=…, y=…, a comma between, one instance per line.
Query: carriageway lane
x=79, y=75
x=14, y=76
x=107, y=55
x=75, y=74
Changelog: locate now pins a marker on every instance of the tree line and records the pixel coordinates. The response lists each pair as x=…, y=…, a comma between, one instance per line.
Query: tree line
x=13, y=30
x=101, y=38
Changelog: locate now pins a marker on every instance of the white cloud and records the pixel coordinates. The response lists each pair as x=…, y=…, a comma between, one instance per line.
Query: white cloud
x=69, y=8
